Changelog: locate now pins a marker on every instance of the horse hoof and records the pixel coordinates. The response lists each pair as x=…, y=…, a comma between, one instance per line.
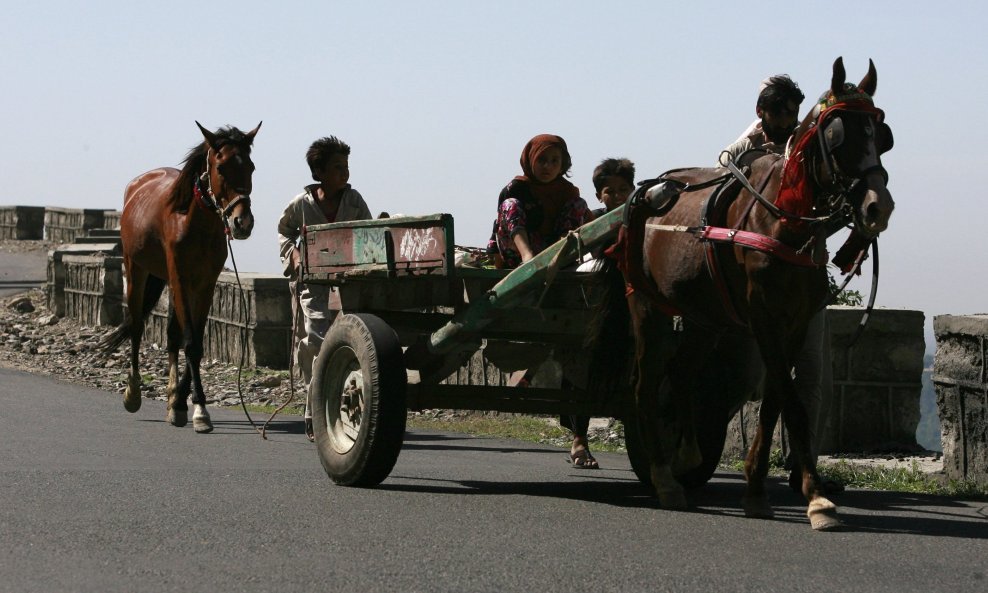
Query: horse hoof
x=178, y=417
x=823, y=515
x=200, y=420
x=132, y=402
x=757, y=507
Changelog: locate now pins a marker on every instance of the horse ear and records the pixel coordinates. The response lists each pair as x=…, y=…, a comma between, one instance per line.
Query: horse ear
x=209, y=136
x=252, y=133
x=837, y=82
x=870, y=81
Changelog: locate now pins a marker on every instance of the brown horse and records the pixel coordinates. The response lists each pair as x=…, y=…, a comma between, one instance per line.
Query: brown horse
x=174, y=229
x=763, y=272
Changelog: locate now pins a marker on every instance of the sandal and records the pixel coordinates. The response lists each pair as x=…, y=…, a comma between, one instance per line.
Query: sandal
x=582, y=459
x=309, y=433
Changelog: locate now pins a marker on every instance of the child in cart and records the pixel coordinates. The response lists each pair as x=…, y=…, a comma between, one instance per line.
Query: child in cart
x=331, y=199
x=539, y=207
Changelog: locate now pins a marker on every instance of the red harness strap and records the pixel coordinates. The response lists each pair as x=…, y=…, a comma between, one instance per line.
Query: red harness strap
x=759, y=242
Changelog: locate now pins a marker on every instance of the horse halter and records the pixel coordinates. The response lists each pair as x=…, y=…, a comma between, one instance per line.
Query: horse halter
x=203, y=192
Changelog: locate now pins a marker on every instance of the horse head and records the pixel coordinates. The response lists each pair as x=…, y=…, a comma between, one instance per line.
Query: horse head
x=228, y=173
x=845, y=158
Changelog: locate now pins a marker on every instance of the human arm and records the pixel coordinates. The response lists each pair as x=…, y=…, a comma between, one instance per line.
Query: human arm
x=743, y=143
x=732, y=152
x=522, y=244
x=289, y=230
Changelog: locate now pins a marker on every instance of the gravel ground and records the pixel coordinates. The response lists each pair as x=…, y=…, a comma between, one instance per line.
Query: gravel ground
x=36, y=341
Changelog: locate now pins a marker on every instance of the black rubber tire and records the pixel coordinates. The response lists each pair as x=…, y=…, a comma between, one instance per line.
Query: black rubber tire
x=710, y=438
x=360, y=453
x=719, y=386
x=636, y=449
x=710, y=429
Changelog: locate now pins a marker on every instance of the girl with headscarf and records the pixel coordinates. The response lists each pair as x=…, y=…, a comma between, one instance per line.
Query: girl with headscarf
x=539, y=207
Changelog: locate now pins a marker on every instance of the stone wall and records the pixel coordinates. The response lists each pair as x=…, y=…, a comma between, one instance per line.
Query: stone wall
x=268, y=336
x=22, y=222
x=961, y=382
x=65, y=224
x=876, y=386
x=55, y=287
x=93, y=289
x=85, y=282
x=111, y=219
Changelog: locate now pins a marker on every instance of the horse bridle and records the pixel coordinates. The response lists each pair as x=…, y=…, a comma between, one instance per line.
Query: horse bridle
x=830, y=136
x=204, y=191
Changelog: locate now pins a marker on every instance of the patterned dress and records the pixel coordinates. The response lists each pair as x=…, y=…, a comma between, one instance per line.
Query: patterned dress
x=519, y=211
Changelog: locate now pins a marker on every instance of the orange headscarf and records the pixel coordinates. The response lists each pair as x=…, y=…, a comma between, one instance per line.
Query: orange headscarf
x=557, y=192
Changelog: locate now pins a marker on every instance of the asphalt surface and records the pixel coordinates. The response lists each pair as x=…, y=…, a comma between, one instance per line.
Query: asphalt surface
x=21, y=271
x=96, y=499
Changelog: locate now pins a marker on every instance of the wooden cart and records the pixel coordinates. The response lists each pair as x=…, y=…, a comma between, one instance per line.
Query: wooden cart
x=411, y=318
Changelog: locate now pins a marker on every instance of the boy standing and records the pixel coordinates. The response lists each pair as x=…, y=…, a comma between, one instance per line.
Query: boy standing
x=613, y=182
x=331, y=199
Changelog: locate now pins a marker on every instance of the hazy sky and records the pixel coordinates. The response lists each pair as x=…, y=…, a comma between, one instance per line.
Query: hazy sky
x=437, y=100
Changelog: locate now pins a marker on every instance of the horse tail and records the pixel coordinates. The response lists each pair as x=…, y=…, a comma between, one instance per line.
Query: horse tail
x=609, y=339
x=153, y=287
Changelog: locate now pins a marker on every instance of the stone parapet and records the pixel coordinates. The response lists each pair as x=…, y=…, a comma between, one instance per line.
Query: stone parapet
x=960, y=379
x=65, y=224
x=111, y=219
x=55, y=287
x=93, y=289
x=874, y=386
x=22, y=222
x=268, y=309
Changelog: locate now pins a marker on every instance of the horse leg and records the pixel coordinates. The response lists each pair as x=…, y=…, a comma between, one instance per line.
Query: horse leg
x=178, y=389
x=136, y=283
x=653, y=339
x=194, y=333
x=820, y=510
x=755, y=501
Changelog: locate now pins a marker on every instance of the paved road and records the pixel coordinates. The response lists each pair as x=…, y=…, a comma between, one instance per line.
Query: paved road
x=21, y=271
x=95, y=499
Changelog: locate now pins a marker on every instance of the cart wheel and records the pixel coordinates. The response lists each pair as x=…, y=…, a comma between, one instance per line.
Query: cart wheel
x=358, y=400
x=710, y=436
x=636, y=449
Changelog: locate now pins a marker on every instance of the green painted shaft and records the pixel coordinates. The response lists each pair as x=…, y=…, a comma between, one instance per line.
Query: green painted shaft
x=525, y=278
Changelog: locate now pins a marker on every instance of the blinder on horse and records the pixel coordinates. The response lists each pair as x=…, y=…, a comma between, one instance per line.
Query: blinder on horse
x=833, y=135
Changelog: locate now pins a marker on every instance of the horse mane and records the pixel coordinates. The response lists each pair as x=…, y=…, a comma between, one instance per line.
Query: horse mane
x=194, y=165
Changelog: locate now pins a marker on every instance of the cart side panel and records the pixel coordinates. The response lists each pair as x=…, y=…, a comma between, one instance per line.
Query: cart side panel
x=407, y=246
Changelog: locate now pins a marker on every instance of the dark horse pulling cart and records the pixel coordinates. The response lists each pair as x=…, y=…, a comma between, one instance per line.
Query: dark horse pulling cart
x=755, y=263
x=411, y=318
